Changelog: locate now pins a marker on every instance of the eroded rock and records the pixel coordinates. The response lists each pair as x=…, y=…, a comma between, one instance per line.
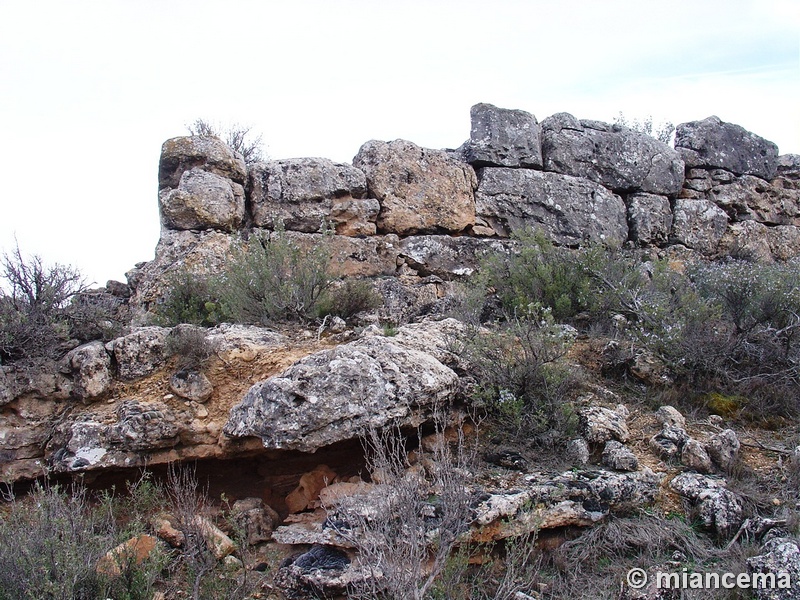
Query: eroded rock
x=89, y=365
x=202, y=200
x=420, y=190
x=502, y=137
x=717, y=507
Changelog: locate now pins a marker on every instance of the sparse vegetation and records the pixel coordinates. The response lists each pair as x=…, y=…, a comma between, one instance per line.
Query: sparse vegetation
x=662, y=131
x=239, y=138
x=43, y=307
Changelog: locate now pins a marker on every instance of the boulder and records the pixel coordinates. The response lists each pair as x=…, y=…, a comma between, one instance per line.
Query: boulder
x=600, y=424
x=320, y=572
x=92, y=442
x=420, y=190
x=747, y=198
x=302, y=194
x=784, y=242
x=717, y=507
x=336, y=394
x=202, y=200
x=128, y=554
x=256, y=519
x=139, y=353
x=569, y=210
x=649, y=219
x=89, y=366
x=668, y=443
x=748, y=240
x=449, y=257
x=779, y=562
x=670, y=416
x=614, y=156
x=502, y=137
x=208, y=153
x=191, y=385
x=712, y=143
x=617, y=456
x=698, y=224
x=723, y=448
x=694, y=456
x=577, y=452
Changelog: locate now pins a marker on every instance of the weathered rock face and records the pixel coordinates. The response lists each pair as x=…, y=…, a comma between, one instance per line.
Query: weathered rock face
x=649, y=219
x=503, y=138
x=420, y=190
x=779, y=558
x=619, y=158
x=570, y=210
x=333, y=395
x=139, y=353
x=698, y=224
x=717, y=506
x=748, y=240
x=750, y=198
x=712, y=143
x=302, y=194
x=600, y=424
x=202, y=200
x=449, y=257
x=207, y=153
x=89, y=366
x=92, y=442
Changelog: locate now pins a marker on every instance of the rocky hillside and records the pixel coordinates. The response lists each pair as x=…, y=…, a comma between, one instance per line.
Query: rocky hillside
x=281, y=414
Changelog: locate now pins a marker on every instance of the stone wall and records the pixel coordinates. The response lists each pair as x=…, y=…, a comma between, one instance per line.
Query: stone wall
x=400, y=209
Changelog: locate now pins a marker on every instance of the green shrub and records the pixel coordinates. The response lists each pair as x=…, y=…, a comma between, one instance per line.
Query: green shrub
x=349, y=298
x=191, y=298
x=270, y=278
x=190, y=345
x=520, y=381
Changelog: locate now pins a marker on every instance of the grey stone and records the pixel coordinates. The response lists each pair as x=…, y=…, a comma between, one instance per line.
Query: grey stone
x=614, y=156
x=750, y=198
x=140, y=353
x=669, y=441
x=712, y=143
x=577, y=452
x=89, y=365
x=569, y=210
x=649, y=219
x=618, y=457
x=789, y=166
x=301, y=194
x=420, y=190
x=256, y=519
x=503, y=138
x=694, y=456
x=202, y=200
x=450, y=257
x=599, y=425
x=335, y=394
x=191, y=385
x=669, y=415
x=208, y=153
x=718, y=507
x=723, y=448
x=698, y=224
x=779, y=558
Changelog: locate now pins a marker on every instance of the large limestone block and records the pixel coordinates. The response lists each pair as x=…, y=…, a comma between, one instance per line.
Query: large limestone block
x=419, y=190
x=570, y=210
x=615, y=156
x=649, y=219
x=502, y=137
x=698, y=224
x=333, y=395
x=304, y=194
x=207, y=153
x=749, y=198
x=712, y=143
x=450, y=257
x=202, y=200
x=139, y=353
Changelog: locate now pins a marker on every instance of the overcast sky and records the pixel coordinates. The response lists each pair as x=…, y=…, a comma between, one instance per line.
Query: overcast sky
x=89, y=90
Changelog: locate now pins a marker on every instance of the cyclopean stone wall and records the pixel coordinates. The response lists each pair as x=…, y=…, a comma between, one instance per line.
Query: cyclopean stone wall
x=403, y=210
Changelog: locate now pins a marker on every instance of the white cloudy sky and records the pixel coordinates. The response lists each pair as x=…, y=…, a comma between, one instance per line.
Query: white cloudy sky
x=90, y=89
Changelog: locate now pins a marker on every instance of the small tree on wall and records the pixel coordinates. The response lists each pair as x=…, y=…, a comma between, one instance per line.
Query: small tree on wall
x=238, y=137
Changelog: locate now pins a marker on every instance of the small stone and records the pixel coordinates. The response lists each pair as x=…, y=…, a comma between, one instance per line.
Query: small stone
x=600, y=424
x=723, y=448
x=669, y=415
x=618, y=457
x=577, y=452
x=694, y=456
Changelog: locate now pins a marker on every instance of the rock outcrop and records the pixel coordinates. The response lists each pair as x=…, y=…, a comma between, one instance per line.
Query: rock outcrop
x=503, y=138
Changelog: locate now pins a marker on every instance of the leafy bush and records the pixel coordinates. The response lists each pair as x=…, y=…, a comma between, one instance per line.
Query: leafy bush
x=34, y=301
x=270, y=278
